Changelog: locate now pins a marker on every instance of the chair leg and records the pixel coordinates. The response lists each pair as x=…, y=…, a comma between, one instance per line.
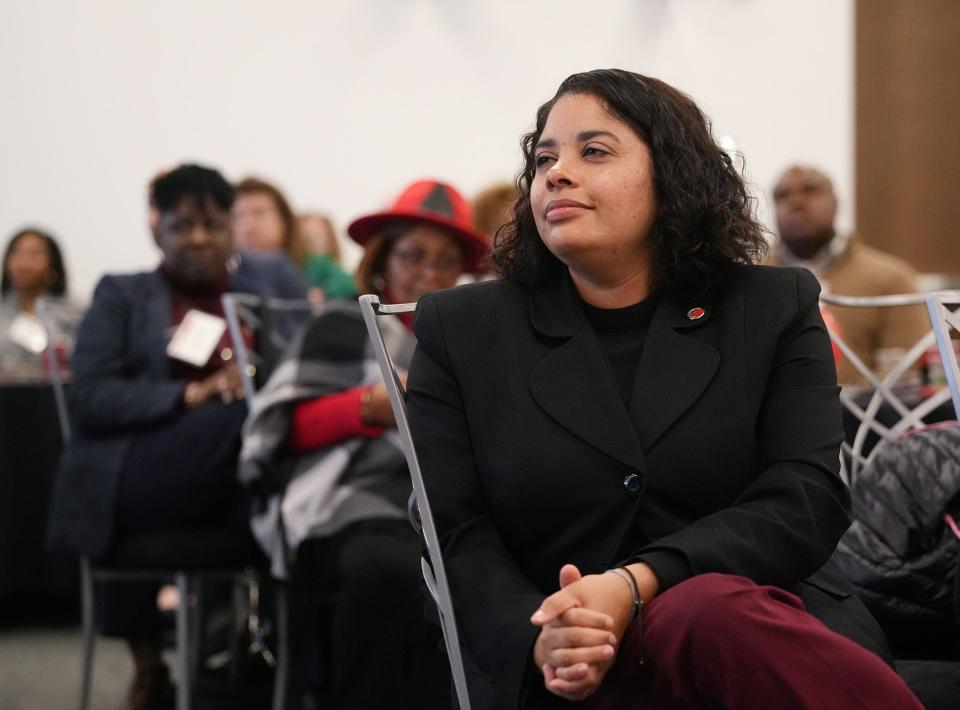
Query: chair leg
x=195, y=626
x=88, y=634
x=280, y=679
x=183, y=642
x=239, y=626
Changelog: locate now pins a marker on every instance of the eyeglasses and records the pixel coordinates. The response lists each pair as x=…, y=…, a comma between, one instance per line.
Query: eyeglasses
x=417, y=259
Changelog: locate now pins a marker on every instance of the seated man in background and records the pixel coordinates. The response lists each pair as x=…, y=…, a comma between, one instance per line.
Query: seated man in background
x=157, y=416
x=806, y=208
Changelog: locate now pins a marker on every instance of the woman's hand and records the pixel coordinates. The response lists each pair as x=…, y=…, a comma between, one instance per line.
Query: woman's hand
x=376, y=410
x=316, y=295
x=225, y=383
x=581, y=627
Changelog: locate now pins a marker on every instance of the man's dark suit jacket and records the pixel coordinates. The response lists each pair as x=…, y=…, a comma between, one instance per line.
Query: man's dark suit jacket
x=121, y=384
x=726, y=460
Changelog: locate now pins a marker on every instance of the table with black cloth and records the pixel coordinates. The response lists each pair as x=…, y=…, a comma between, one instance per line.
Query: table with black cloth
x=30, y=447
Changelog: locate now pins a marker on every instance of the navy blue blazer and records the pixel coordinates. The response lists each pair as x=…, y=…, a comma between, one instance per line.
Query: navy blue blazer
x=121, y=383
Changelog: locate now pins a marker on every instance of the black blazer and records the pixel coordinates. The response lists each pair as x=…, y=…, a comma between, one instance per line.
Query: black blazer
x=727, y=460
x=121, y=384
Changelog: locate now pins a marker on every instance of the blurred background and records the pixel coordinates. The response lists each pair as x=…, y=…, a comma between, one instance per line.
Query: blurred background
x=340, y=104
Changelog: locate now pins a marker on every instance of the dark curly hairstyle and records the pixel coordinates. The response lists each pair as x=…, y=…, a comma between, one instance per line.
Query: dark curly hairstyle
x=704, y=220
x=58, y=274
x=194, y=182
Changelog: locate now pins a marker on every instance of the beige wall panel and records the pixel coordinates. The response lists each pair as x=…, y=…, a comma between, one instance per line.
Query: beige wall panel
x=908, y=129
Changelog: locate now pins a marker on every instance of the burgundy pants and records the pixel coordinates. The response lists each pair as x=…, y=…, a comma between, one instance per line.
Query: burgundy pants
x=722, y=641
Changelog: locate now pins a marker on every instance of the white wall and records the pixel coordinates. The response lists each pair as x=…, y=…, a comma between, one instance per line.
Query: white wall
x=342, y=103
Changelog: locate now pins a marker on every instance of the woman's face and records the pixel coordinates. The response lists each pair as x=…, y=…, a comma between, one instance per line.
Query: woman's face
x=195, y=241
x=593, y=195
x=424, y=259
x=28, y=264
x=257, y=224
x=318, y=234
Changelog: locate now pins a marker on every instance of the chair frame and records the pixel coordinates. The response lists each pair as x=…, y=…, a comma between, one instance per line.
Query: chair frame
x=884, y=388
x=257, y=310
x=232, y=302
x=434, y=571
x=188, y=583
x=944, y=322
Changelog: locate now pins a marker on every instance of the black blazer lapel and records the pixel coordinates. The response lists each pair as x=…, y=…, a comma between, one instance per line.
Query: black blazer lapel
x=675, y=368
x=573, y=382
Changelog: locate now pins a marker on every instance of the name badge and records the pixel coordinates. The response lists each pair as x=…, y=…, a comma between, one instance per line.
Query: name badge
x=27, y=332
x=196, y=338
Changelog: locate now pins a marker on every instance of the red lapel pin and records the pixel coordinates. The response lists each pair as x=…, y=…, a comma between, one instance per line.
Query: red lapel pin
x=696, y=313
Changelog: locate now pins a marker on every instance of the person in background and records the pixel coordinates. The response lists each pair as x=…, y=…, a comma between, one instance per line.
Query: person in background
x=321, y=236
x=33, y=269
x=631, y=440
x=806, y=210
x=263, y=222
x=157, y=420
x=493, y=207
x=323, y=422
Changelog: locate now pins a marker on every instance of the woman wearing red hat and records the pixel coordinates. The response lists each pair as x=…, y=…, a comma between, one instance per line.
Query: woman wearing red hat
x=322, y=426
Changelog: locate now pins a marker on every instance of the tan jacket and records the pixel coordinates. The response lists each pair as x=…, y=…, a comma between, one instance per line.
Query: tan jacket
x=864, y=271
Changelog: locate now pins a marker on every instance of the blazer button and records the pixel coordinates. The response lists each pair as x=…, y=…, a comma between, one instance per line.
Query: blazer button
x=632, y=484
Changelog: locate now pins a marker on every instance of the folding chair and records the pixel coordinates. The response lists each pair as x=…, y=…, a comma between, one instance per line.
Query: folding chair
x=944, y=310
x=188, y=580
x=274, y=321
x=434, y=572
x=885, y=398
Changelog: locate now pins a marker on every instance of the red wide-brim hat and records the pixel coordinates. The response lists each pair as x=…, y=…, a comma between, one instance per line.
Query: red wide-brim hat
x=435, y=203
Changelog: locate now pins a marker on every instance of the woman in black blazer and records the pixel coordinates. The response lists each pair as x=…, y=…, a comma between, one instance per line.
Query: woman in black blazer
x=631, y=443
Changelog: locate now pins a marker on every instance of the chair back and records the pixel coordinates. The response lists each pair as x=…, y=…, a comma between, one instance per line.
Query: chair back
x=943, y=308
x=272, y=322
x=434, y=572
x=889, y=405
x=54, y=372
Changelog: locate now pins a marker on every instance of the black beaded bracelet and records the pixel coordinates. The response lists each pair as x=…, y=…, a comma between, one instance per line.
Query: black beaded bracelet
x=638, y=600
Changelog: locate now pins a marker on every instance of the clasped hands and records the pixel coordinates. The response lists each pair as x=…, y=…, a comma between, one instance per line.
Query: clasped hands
x=225, y=384
x=581, y=627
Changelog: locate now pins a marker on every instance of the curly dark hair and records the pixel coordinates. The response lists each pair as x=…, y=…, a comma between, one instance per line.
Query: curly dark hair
x=194, y=182
x=705, y=217
x=58, y=274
